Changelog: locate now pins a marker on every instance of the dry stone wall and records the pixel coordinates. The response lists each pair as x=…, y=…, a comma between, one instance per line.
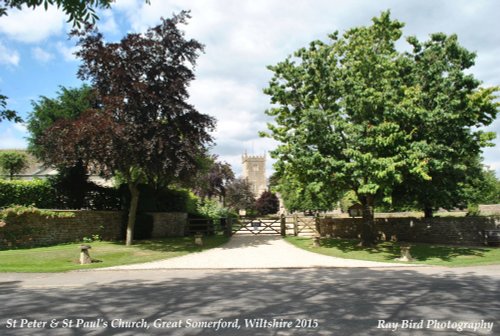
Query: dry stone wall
x=448, y=230
x=30, y=229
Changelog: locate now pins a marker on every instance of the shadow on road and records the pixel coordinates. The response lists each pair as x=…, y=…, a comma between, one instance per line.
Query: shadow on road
x=344, y=301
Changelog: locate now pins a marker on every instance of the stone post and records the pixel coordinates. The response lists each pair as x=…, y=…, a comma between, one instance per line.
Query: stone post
x=405, y=253
x=84, y=255
x=198, y=239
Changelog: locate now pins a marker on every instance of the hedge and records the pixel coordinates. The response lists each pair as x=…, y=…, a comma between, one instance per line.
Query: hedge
x=45, y=194
x=38, y=193
x=48, y=194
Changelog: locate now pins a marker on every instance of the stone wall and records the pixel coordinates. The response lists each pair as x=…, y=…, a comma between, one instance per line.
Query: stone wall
x=447, y=230
x=34, y=230
x=169, y=224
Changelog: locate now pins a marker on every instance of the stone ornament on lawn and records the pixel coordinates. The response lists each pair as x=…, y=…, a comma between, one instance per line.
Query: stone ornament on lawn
x=84, y=255
x=405, y=253
x=198, y=239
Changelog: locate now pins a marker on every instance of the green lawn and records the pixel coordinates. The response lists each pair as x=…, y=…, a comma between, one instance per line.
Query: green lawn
x=428, y=254
x=65, y=257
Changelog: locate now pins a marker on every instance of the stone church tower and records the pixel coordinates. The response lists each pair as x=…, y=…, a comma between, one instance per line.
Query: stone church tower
x=254, y=171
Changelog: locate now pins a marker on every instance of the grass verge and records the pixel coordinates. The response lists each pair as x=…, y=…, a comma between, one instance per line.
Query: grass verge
x=64, y=257
x=428, y=254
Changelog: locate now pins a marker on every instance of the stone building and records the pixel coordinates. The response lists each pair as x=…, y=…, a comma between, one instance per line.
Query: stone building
x=254, y=171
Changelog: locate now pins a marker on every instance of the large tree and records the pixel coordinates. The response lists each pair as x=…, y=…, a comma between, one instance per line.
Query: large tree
x=144, y=129
x=356, y=114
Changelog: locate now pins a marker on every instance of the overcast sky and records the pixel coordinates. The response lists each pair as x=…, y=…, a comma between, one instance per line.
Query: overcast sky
x=241, y=38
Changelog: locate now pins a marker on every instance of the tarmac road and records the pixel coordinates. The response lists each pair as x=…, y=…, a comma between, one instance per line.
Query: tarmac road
x=312, y=301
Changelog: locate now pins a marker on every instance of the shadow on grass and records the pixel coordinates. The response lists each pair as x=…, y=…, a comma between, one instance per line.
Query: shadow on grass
x=423, y=252
x=420, y=252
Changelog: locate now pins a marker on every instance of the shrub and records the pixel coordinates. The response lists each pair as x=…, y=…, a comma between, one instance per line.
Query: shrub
x=212, y=209
x=19, y=210
x=38, y=193
x=267, y=204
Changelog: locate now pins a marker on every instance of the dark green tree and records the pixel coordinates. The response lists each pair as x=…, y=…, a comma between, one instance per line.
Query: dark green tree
x=69, y=104
x=449, y=105
x=483, y=189
x=356, y=114
x=13, y=163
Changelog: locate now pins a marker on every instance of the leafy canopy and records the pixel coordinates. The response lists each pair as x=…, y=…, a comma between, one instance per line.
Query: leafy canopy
x=142, y=128
x=356, y=114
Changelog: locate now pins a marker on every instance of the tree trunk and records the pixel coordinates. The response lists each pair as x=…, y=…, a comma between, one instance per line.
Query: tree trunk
x=428, y=213
x=368, y=236
x=132, y=212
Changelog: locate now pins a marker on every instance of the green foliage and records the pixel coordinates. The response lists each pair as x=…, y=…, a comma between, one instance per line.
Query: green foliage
x=212, y=209
x=38, y=193
x=13, y=163
x=267, y=204
x=484, y=189
x=302, y=196
x=355, y=114
x=69, y=104
x=473, y=210
x=78, y=11
x=4, y=112
x=19, y=210
x=48, y=195
x=348, y=200
x=93, y=238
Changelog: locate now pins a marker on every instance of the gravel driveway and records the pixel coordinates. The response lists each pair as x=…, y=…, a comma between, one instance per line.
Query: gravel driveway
x=255, y=251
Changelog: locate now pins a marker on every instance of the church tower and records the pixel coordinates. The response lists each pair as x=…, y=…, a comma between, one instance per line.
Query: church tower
x=254, y=171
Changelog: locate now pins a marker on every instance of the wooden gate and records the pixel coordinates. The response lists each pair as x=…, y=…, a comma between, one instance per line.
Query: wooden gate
x=260, y=226
x=305, y=226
